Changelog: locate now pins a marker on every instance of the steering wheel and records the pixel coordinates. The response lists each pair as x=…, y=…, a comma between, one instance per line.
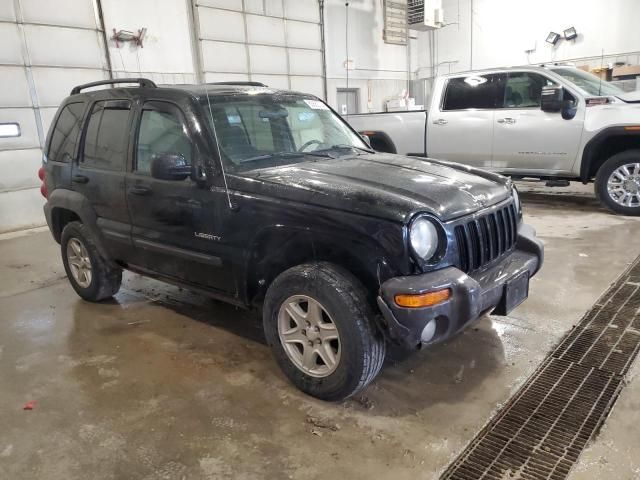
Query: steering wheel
x=308, y=144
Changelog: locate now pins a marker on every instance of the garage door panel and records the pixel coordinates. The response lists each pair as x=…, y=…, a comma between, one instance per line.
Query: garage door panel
x=229, y=4
x=7, y=12
x=20, y=169
x=11, y=45
x=67, y=47
x=312, y=85
x=15, y=89
x=303, y=35
x=54, y=84
x=221, y=25
x=305, y=62
x=273, y=81
x=21, y=209
x=302, y=10
x=73, y=13
x=25, y=117
x=265, y=30
x=268, y=59
x=224, y=57
x=225, y=77
x=275, y=8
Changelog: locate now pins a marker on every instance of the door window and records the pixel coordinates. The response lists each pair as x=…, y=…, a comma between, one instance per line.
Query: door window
x=105, y=144
x=523, y=89
x=474, y=91
x=162, y=130
x=64, y=137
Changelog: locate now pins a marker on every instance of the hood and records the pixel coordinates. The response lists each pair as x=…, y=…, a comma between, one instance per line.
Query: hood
x=630, y=97
x=383, y=185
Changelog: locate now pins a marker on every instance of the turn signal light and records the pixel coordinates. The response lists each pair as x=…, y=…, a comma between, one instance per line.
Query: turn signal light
x=419, y=300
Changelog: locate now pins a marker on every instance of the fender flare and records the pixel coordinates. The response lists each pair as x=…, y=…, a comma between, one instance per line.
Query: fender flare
x=591, y=149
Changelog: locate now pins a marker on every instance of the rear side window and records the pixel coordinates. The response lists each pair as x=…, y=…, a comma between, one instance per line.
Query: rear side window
x=64, y=136
x=162, y=130
x=105, y=144
x=474, y=91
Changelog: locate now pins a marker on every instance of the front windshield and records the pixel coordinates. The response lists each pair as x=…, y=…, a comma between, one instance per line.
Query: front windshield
x=265, y=130
x=588, y=81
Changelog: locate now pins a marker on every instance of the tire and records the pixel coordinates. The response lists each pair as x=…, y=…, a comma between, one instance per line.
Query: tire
x=629, y=158
x=104, y=281
x=361, y=347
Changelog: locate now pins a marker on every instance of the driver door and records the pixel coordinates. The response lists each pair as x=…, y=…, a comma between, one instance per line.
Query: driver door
x=174, y=221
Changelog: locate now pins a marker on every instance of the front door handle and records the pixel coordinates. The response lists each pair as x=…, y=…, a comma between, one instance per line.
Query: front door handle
x=507, y=120
x=440, y=121
x=139, y=190
x=79, y=179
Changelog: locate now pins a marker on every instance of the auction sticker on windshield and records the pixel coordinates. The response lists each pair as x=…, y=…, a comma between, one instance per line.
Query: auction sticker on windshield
x=316, y=104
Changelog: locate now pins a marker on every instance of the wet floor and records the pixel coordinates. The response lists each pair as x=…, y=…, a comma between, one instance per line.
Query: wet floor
x=163, y=384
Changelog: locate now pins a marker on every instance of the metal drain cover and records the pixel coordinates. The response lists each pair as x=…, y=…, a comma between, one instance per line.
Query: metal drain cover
x=542, y=430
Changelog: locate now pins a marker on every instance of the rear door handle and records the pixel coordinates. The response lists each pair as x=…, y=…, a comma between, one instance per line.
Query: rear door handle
x=140, y=190
x=440, y=121
x=507, y=120
x=79, y=179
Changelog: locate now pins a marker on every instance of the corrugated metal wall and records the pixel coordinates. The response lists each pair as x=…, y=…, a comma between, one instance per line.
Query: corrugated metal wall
x=46, y=48
x=276, y=42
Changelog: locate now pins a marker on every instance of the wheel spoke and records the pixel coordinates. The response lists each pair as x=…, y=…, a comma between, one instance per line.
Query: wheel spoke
x=314, y=313
x=309, y=357
x=295, y=313
x=326, y=353
x=294, y=336
x=328, y=331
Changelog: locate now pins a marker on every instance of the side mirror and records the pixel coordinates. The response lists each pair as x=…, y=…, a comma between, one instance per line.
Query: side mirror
x=551, y=98
x=569, y=109
x=170, y=166
x=366, y=139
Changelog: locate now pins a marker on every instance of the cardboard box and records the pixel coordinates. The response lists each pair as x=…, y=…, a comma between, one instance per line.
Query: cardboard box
x=626, y=71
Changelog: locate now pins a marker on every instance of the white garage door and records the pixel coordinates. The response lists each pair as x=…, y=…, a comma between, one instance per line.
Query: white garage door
x=47, y=47
x=276, y=42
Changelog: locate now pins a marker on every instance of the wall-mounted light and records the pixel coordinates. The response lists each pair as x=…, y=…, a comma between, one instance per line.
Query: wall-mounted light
x=570, y=33
x=553, y=38
x=9, y=130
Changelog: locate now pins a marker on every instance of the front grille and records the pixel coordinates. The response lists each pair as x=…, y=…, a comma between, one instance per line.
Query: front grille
x=485, y=238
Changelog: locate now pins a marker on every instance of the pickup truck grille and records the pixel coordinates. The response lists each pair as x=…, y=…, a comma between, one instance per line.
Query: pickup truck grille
x=486, y=237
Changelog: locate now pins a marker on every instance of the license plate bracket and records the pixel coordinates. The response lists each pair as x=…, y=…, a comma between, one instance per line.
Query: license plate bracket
x=516, y=291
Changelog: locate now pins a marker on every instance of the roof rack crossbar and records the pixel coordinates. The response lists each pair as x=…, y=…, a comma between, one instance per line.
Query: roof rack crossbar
x=143, y=82
x=248, y=84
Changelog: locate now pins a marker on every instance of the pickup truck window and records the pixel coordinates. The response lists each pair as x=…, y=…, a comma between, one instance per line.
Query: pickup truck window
x=474, y=91
x=107, y=132
x=266, y=130
x=523, y=89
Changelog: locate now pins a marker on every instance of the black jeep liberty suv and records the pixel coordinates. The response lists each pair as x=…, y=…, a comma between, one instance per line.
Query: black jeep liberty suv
x=267, y=198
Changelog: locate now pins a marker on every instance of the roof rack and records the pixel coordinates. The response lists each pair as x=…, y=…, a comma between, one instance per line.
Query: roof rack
x=143, y=82
x=247, y=84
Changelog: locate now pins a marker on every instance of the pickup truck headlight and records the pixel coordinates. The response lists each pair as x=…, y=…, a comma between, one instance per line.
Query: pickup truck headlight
x=423, y=237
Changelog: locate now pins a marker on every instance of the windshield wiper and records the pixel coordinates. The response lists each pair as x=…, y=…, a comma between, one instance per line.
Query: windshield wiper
x=267, y=156
x=345, y=146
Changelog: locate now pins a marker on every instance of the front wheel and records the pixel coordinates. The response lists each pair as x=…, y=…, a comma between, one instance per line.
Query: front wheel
x=319, y=324
x=618, y=183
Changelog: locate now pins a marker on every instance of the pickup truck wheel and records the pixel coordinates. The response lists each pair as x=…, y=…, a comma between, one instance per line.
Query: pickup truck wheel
x=320, y=327
x=618, y=183
x=89, y=274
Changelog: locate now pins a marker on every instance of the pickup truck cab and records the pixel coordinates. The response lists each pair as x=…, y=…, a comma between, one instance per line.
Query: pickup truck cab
x=550, y=122
x=267, y=199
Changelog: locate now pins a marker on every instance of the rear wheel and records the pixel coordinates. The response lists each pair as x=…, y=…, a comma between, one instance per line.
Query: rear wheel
x=90, y=275
x=320, y=327
x=618, y=183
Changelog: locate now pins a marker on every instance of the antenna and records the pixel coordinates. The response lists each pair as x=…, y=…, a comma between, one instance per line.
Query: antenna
x=601, y=65
x=346, y=47
x=215, y=138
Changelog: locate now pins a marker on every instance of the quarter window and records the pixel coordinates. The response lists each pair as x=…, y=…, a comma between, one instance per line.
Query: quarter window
x=474, y=91
x=105, y=145
x=64, y=137
x=161, y=131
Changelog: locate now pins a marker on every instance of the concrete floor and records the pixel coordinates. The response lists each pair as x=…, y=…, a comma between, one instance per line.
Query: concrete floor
x=162, y=384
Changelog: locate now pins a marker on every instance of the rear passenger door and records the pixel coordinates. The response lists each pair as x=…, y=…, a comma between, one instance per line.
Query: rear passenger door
x=461, y=129
x=100, y=172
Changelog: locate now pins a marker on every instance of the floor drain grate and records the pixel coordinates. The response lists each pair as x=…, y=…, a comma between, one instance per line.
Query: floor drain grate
x=543, y=429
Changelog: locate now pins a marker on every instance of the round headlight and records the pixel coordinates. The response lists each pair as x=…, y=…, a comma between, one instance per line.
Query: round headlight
x=516, y=198
x=424, y=238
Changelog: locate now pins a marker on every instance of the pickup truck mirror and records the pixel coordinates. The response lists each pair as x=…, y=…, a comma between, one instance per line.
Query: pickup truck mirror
x=170, y=166
x=551, y=98
x=366, y=139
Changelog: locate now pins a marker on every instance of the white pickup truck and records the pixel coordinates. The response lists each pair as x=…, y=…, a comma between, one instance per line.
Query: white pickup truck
x=550, y=123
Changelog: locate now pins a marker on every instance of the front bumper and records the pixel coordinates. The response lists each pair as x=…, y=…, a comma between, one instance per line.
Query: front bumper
x=471, y=295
